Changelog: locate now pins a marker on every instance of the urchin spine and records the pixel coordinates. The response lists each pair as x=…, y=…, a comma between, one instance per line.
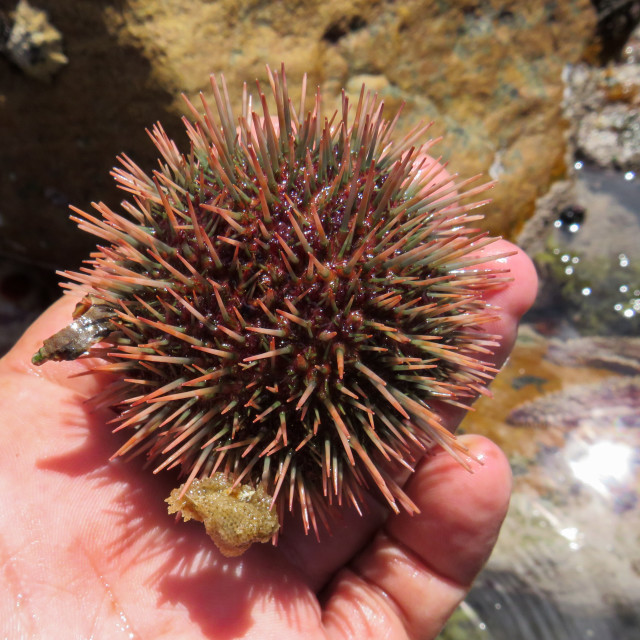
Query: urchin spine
x=290, y=299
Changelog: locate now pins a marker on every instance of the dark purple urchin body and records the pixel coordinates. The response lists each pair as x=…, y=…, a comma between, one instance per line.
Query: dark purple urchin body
x=285, y=303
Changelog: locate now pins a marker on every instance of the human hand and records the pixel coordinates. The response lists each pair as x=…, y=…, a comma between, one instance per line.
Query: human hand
x=88, y=551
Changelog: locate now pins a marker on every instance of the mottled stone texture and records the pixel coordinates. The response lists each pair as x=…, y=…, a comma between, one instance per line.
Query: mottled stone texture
x=487, y=72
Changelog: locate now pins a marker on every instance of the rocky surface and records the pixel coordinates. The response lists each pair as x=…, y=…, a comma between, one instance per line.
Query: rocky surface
x=614, y=401
x=31, y=42
x=616, y=20
x=488, y=73
x=619, y=354
x=603, y=103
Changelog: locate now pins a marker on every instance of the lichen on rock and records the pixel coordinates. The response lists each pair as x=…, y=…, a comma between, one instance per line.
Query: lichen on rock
x=235, y=515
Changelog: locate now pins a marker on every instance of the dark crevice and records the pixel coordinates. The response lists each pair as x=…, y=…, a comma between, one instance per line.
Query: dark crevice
x=616, y=21
x=342, y=27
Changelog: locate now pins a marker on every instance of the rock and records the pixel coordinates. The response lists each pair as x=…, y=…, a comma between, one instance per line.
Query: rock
x=619, y=354
x=33, y=43
x=563, y=568
x=603, y=104
x=613, y=401
x=487, y=73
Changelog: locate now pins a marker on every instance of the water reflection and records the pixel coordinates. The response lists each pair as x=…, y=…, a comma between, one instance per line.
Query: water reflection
x=603, y=465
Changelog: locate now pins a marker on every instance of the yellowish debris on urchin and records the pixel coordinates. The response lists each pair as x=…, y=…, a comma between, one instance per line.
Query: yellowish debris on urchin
x=235, y=516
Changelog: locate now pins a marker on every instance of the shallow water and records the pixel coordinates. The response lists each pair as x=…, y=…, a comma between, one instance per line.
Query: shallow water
x=566, y=410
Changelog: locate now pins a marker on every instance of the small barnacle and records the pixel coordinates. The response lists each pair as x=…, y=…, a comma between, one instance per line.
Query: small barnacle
x=33, y=43
x=235, y=515
x=90, y=326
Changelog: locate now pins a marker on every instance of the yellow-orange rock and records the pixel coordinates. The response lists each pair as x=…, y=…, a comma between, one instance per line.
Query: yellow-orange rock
x=488, y=73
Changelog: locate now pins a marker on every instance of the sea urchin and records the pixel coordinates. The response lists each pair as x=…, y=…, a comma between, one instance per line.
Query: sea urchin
x=284, y=307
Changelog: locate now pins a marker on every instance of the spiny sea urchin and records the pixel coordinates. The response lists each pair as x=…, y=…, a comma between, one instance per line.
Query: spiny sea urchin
x=283, y=305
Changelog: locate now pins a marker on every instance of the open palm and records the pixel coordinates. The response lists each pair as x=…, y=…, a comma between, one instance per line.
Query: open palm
x=87, y=549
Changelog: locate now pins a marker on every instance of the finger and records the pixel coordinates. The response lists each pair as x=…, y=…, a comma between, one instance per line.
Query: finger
x=510, y=302
x=417, y=571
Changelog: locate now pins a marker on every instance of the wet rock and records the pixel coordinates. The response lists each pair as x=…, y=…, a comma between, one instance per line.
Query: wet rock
x=619, y=354
x=603, y=105
x=615, y=401
x=488, y=74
